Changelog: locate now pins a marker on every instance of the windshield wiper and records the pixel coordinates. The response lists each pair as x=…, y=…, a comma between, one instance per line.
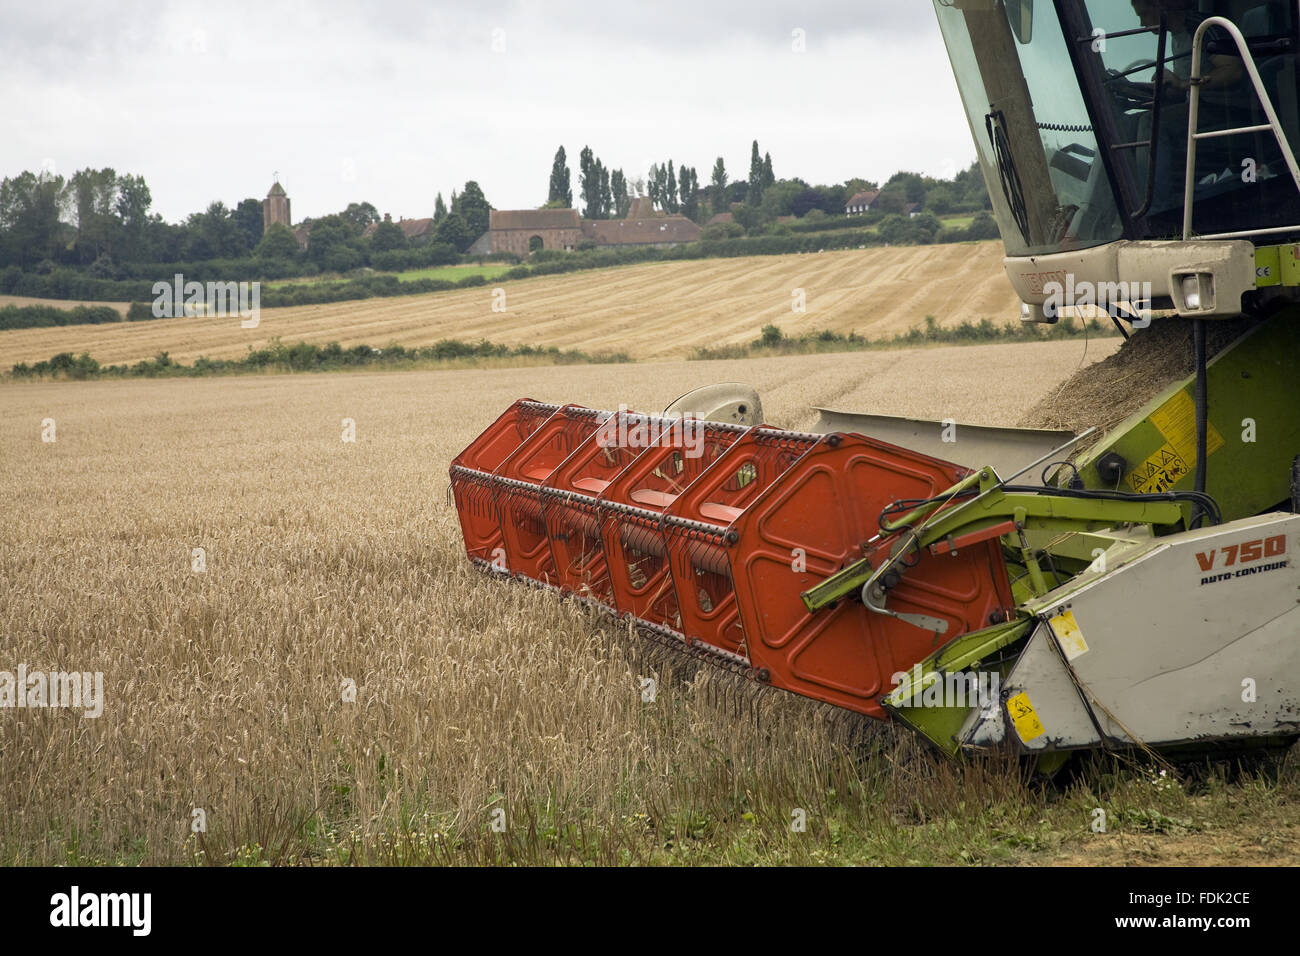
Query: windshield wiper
x=996, y=124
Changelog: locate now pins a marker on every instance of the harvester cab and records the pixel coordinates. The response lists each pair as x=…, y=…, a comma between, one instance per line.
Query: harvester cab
x=1136, y=587
x=1113, y=133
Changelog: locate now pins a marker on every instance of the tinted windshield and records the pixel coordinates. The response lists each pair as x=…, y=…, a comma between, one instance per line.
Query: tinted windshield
x=1063, y=176
x=1140, y=56
x=1035, y=140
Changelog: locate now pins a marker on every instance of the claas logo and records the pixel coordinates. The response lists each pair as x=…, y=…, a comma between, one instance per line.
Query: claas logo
x=1234, y=554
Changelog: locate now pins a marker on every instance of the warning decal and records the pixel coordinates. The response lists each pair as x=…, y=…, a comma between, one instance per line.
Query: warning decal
x=1069, y=635
x=1176, y=422
x=1159, y=473
x=1025, y=718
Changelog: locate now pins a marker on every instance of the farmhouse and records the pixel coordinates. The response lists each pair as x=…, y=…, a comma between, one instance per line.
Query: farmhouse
x=415, y=230
x=522, y=230
x=861, y=203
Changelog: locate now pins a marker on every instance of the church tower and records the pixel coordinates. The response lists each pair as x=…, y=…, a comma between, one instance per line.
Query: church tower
x=275, y=208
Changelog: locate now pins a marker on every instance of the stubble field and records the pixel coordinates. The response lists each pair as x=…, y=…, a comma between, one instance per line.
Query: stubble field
x=327, y=562
x=657, y=310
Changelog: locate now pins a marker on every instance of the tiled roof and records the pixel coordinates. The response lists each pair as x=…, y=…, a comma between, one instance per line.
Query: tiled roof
x=641, y=231
x=503, y=219
x=415, y=228
x=641, y=208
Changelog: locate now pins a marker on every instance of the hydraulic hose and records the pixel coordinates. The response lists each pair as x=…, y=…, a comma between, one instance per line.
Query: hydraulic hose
x=1202, y=402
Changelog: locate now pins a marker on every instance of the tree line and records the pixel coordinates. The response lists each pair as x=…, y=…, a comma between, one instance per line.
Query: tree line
x=100, y=216
x=100, y=222
x=674, y=188
x=338, y=243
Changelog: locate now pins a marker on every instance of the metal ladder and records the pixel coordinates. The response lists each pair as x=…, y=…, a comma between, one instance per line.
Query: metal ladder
x=1194, y=135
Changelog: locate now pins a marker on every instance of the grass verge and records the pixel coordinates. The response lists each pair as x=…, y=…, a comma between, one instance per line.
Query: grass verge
x=773, y=341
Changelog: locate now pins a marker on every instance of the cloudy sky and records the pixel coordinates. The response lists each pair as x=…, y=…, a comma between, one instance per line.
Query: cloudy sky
x=391, y=102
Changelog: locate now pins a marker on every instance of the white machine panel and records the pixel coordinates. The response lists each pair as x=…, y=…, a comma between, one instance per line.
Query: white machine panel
x=1197, y=640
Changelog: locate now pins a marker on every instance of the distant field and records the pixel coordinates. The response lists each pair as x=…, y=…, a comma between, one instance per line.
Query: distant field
x=949, y=222
x=21, y=300
x=656, y=310
x=450, y=273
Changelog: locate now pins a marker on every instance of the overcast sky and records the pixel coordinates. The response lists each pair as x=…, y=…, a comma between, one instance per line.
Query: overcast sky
x=391, y=102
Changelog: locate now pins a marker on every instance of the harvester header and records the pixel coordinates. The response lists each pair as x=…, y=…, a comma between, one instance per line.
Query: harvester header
x=710, y=533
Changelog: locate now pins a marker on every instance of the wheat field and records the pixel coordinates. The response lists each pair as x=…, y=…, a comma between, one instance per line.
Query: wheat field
x=656, y=310
x=326, y=562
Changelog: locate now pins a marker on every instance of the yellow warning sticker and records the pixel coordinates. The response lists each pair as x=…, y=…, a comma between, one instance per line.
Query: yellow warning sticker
x=1176, y=459
x=1069, y=635
x=1176, y=420
x=1159, y=473
x=1025, y=718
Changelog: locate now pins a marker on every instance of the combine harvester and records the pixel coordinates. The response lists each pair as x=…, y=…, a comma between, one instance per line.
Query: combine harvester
x=1056, y=592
